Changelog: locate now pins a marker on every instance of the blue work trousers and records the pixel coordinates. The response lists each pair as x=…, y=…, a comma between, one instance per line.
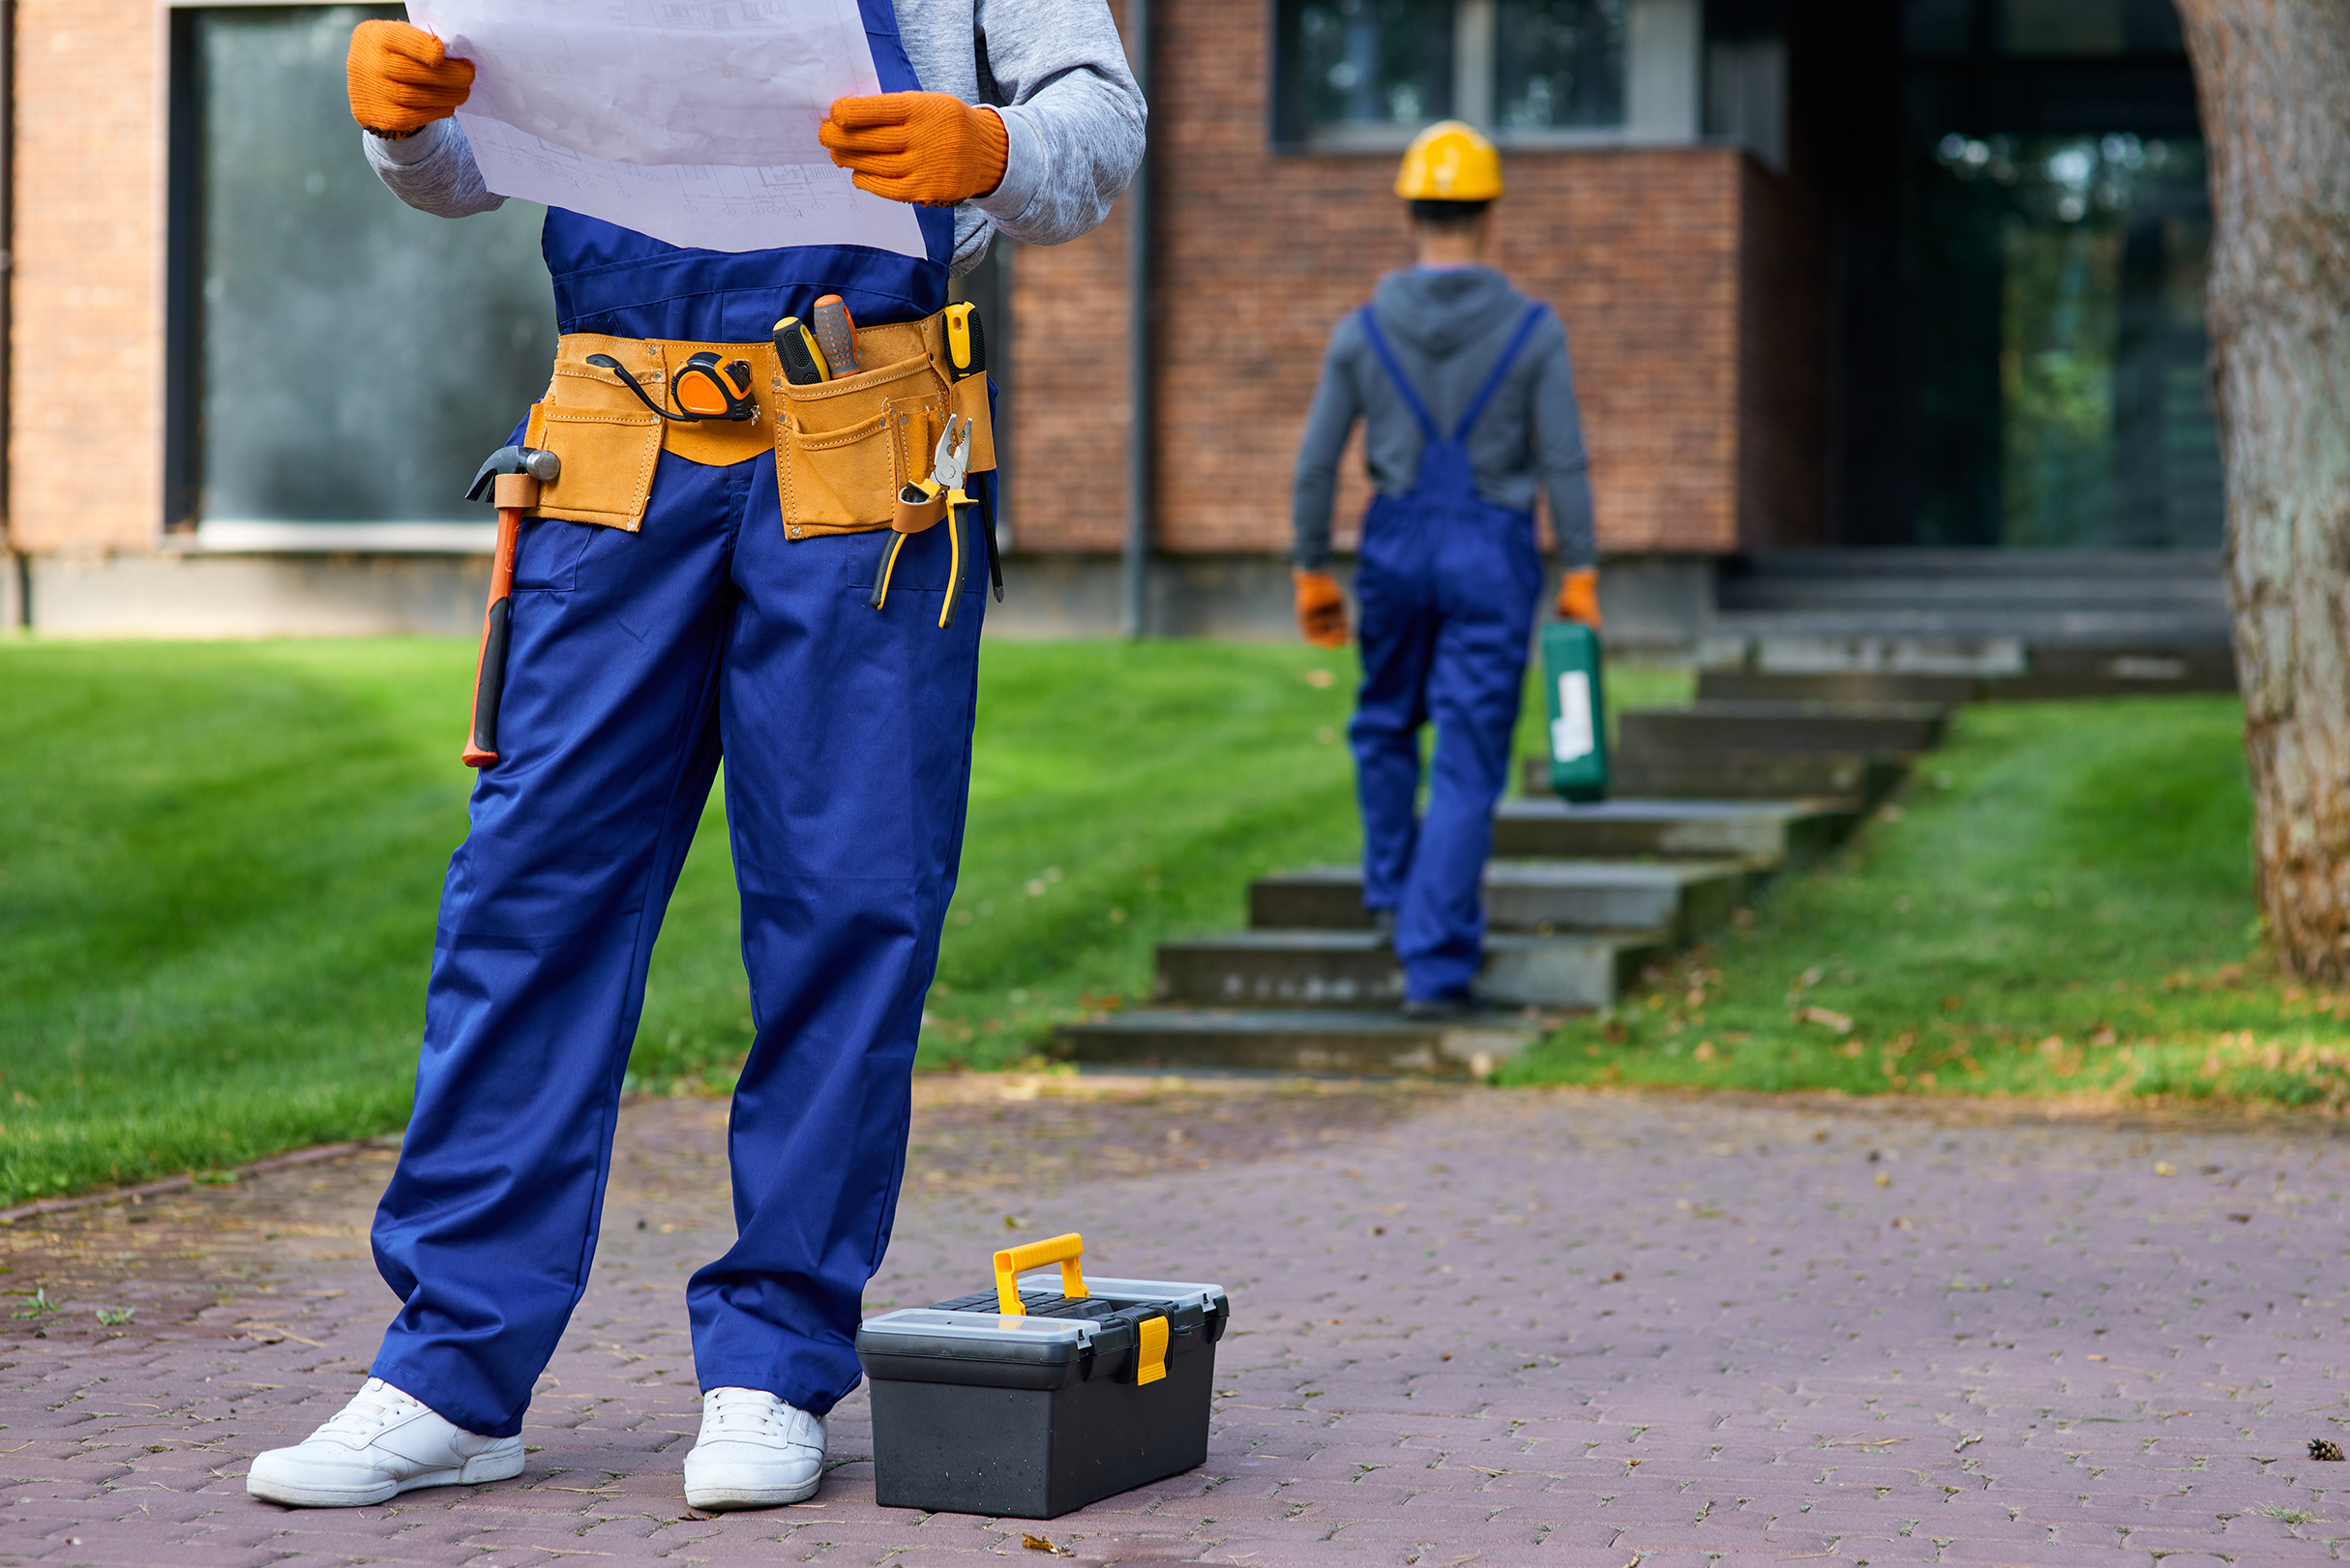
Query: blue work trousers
x=1447, y=585
x=638, y=660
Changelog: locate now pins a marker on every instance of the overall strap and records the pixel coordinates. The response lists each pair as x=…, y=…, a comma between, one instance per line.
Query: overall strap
x=1534, y=312
x=1395, y=373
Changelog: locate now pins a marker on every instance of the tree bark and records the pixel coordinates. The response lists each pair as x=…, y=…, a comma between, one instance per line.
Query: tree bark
x=2274, y=80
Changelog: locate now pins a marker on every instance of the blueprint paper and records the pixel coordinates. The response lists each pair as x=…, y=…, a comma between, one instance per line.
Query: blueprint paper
x=693, y=120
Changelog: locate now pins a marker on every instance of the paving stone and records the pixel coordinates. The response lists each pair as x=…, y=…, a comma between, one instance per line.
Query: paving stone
x=1505, y=1216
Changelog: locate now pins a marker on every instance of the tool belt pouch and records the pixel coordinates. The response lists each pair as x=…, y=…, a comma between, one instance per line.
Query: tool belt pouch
x=845, y=448
x=609, y=441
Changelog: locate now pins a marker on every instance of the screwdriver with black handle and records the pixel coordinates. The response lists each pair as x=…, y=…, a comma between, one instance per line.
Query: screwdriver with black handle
x=803, y=360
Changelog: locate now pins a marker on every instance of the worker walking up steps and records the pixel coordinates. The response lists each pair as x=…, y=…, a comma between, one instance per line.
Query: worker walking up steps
x=1468, y=407
x=694, y=575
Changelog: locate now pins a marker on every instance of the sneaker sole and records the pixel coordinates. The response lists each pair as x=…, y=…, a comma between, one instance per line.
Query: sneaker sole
x=722, y=1500
x=496, y=1464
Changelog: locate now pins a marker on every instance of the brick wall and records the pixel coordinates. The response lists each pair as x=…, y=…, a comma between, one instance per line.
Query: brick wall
x=87, y=350
x=1687, y=278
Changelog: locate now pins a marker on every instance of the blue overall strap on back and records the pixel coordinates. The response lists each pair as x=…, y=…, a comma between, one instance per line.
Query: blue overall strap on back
x=1395, y=373
x=1527, y=323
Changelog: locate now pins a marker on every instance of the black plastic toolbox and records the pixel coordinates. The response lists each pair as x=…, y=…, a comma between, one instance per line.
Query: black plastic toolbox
x=1029, y=1402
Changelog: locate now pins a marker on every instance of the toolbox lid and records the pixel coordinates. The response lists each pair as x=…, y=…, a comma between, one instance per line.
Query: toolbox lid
x=1209, y=1299
x=979, y=1334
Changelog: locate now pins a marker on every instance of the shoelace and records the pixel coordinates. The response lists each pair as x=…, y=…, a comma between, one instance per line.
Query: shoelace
x=748, y=1412
x=376, y=1405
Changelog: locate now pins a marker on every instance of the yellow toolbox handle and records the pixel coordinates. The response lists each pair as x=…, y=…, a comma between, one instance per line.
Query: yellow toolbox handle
x=1013, y=1261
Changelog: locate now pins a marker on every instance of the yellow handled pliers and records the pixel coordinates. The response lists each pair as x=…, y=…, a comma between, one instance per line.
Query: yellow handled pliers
x=950, y=461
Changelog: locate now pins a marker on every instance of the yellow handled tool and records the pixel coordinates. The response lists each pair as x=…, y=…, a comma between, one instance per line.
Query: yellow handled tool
x=949, y=462
x=1067, y=1251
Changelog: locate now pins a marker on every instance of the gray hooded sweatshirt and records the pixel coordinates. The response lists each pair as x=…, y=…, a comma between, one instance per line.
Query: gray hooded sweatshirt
x=1447, y=326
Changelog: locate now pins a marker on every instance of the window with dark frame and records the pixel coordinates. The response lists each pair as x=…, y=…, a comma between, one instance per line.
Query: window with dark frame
x=335, y=357
x=1369, y=73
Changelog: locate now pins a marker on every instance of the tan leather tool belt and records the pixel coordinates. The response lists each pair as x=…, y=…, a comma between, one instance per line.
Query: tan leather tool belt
x=842, y=448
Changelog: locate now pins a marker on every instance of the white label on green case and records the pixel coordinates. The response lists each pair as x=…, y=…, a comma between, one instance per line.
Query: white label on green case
x=1570, y=733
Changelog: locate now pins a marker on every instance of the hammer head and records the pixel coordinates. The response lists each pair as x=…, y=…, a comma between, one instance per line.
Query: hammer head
x=535, y=462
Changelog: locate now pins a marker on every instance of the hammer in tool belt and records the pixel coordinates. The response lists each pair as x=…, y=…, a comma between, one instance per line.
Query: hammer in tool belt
x=509, y=481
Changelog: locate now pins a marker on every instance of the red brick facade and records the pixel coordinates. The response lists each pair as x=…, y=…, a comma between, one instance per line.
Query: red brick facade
x=1689, y=280
x=1688, y=277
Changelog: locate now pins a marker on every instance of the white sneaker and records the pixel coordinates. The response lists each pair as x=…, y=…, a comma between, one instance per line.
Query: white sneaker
x=755, y=1451
x=384, y=1443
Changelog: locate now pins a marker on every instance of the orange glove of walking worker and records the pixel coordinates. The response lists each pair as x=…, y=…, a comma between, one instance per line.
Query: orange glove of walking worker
x=402, y=79
x=1579, y=598
x=1322, y=608
x=932, y=149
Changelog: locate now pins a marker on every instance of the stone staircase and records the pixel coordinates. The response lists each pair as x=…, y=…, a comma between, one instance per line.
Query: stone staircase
x=1718, y=798
x=1995, y=625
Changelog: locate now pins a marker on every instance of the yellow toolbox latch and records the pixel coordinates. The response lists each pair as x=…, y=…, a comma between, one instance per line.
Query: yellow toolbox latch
x=1150, y=1351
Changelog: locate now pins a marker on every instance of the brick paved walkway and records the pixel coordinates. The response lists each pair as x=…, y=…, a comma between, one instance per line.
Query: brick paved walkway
x=1475, y=1326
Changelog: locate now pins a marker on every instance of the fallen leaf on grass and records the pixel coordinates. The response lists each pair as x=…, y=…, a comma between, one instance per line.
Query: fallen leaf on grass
x=1836, y=1022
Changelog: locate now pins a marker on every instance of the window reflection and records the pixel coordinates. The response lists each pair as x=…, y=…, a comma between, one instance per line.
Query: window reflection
x=1558, y=64
x=1371, y=72
x=354, y=359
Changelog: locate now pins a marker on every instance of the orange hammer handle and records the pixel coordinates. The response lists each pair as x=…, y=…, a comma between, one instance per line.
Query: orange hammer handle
x=489, y=670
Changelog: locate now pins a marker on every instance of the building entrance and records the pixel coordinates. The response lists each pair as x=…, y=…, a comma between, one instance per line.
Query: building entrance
x=2030, y=295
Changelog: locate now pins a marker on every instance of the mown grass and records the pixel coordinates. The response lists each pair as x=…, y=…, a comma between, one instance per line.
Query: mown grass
x=220, y=865
x=2060, y=904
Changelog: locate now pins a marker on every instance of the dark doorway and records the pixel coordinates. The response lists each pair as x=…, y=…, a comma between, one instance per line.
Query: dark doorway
x=2020, y=232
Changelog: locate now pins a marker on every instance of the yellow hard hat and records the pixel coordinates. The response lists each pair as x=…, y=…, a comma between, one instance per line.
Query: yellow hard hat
x=1449, y=162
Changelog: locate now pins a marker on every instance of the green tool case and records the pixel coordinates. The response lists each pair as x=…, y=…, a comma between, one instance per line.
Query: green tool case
x=1026, y=1402
x=1578, y=713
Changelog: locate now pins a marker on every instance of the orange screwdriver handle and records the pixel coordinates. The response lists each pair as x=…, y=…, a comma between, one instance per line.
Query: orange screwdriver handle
x=489, y=671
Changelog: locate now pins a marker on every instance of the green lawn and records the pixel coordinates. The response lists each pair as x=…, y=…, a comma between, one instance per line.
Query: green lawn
x=2060, y=904
x=220, y=862
x=219, y=866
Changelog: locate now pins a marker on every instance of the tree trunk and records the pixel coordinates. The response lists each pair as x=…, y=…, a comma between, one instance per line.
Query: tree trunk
x=2273, y=78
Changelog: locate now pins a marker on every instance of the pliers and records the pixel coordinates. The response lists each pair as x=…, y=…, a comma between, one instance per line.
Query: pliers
x=950, y=461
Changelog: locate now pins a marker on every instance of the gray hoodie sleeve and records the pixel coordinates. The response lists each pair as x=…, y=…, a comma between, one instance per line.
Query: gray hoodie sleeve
x=1329, y=419
x=432, y=170
x=1565, y=465
x=1073, y=115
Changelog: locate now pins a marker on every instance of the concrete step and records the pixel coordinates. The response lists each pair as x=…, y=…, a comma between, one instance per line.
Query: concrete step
x=1895, y=728
x=1355, y=970
x=1857, y=777
x=2055, y=673
x=1836, y=686
x=1299, y=1040
x=1760, y=832
x=1677, y=898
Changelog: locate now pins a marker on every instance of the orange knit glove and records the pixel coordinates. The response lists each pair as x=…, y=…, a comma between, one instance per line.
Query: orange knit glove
x=402, y=79
x=1322, y=608
x=1579, y=598
x=929, y=148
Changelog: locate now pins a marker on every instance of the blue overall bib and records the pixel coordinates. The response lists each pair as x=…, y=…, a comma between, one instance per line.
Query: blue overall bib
x=1448, y=584
x=637, y=661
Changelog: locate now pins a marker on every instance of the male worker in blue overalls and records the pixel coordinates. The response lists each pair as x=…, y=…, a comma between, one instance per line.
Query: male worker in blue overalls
x=668, y=610
x=1468, y=408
